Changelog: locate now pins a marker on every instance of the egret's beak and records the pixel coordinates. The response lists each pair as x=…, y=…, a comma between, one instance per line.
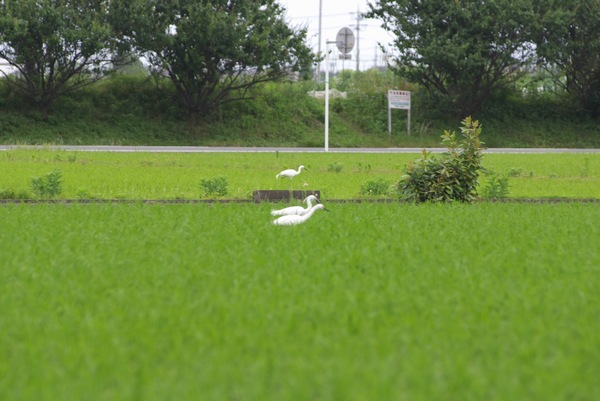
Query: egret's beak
x=327, y=210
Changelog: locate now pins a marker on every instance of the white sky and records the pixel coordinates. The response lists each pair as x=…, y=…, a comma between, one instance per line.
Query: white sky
x=337, y=14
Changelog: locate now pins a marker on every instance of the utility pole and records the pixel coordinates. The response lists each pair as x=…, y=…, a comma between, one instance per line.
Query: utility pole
x=320, y=18
x=358, y=24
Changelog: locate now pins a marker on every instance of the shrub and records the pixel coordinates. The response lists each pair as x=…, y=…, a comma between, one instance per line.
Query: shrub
x=214, y=187
x=454, y=175
x=48, y=185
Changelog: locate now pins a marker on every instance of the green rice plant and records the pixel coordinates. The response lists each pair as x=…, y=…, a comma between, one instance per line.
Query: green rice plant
x=217, y=186
x=48, y=185
x=114, y=301
x=585, y=170
x=13, y=194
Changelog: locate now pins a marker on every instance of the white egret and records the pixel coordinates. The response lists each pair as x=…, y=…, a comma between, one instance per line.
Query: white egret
x=290, y=173
x=299, y=210
x=293, y=219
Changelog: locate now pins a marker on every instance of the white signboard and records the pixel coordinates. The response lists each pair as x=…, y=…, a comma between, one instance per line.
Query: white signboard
x=398, y=100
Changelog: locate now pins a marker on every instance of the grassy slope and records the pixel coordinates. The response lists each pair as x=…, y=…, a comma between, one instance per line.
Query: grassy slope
x=130, y=111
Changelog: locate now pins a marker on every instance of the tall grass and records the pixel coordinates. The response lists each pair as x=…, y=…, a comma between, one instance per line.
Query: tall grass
x=370, y=301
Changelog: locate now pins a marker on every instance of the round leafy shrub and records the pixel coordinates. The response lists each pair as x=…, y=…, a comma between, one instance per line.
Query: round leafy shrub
x=451, y=176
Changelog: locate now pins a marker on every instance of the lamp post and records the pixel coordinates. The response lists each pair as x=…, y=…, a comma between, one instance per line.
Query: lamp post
x=327, y=94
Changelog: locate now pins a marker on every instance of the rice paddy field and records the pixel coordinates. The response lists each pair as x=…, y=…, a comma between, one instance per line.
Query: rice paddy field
x=91, y=175
x=370, y=301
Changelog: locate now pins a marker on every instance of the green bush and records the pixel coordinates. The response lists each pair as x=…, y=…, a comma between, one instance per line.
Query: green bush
x=48, y=185
x=453, y=176
x=217, y=186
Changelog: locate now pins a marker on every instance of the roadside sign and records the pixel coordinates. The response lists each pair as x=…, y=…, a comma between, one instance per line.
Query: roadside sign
x=345, y=40
x=398, y=100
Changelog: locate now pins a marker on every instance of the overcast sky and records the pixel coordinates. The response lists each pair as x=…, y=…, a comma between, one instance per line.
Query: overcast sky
x=337, y=14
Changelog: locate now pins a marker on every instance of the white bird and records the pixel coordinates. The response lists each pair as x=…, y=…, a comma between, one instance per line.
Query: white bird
x=294, y=219
x=298, y=210
x=290, y=173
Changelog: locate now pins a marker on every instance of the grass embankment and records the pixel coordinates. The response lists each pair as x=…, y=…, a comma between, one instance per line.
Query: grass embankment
x=126, y=110
x=91, y=175
x=367, y=302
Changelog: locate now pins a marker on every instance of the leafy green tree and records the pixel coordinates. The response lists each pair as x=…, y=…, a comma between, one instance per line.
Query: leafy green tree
x=213, y=51
x=56, y=46
x=568, y=43
x=460, y=51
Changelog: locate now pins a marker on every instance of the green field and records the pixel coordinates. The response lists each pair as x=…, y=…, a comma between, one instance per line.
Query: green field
x=370, y=301
x=90, y=175
x=367, y=302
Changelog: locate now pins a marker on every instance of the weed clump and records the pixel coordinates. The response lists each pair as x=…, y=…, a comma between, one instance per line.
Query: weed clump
x=377, y=187
x=496, y=186
x=217, y=186
x=48, y=185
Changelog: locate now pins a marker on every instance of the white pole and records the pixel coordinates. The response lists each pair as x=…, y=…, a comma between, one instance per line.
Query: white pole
x=327, y=96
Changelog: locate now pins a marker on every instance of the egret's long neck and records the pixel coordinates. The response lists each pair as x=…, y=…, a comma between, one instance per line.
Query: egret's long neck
x=309, y=213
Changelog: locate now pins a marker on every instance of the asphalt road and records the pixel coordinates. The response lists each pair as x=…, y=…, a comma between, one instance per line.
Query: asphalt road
x=219, y=149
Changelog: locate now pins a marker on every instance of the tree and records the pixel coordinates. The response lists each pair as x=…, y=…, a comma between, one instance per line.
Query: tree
x=56, y=46
x=568, y=43
x=213, y=51
x=461, y=51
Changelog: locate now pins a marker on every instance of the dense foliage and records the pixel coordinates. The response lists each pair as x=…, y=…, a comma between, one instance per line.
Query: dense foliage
x=460, y=50
x=465, y=52
x=568, y=43
x=451, y=176
x=55, y=46
x=211, y=51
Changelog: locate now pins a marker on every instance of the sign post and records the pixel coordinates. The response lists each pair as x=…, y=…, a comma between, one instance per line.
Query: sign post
x=345, y=43
x=398, y=100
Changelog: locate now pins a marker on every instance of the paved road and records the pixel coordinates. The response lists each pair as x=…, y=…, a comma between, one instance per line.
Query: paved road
x=219, y=149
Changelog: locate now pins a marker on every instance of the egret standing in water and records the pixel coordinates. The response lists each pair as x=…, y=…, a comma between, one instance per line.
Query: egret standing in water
x=293, y=219
x=297, y=210
x=290, y=173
